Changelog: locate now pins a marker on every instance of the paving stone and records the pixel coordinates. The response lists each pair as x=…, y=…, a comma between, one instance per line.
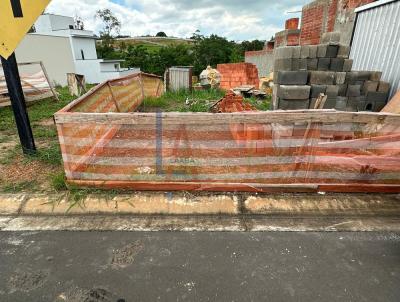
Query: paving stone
x=375, y=76
x=332, y=91
x=322, y=50
x=336, y=64
x=294, y=92
x=324, y=64
x=296, y=52
x=332, y=51
x=341, y=103
x=353, y=90
x=384, y=87
x=370, y=86
x=313, y=51
x=316, y=90
x=343, y=52
x=292, y=77
x=312, y=64
x=347, y=65
x=340, y=78
x=305, y=52
x=293, y=104
x=283, y=64
x=322, y=77
x=342, y=89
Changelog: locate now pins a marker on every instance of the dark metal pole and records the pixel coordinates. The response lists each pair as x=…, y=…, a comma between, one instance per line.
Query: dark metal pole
x=17, y=98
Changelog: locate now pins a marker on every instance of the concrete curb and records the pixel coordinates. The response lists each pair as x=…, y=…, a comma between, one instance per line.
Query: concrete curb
x=189, y=204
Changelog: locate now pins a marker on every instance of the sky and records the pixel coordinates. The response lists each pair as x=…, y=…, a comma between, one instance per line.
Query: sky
x=234, y=19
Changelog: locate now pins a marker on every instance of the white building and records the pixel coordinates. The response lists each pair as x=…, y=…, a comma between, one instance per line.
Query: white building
x=65, y=49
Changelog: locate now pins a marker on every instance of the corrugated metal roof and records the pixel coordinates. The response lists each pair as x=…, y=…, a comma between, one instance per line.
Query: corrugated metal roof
x=376, y=42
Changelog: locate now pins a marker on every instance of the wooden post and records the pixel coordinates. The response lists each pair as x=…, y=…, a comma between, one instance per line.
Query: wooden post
x=48, y=81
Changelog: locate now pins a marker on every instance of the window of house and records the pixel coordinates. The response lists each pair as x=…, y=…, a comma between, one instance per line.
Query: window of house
x=116, y=66
x=83, y=55
x=71, y=27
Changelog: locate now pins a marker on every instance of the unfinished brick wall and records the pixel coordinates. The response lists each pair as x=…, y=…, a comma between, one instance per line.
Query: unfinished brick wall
x=292, y=23
x=237, y=74
x=322, y=16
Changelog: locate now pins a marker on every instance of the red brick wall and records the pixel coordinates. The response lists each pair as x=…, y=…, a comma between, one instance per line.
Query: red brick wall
x=237, y=74
x=312, y=24
x=292, y=23
x=293, y=39
x=333, y=7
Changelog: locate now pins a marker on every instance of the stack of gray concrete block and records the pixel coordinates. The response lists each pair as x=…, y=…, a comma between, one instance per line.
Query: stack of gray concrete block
x=302, y=73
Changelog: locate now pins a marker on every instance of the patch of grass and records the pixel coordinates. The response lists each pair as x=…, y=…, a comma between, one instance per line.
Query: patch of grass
x=175, y=101
x=37, y=111
x=49, y=155
x=44, y=132
x=19, y=186
x=260, y=104
x=58, y=182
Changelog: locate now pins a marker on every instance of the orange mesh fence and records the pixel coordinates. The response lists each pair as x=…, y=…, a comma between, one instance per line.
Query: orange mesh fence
x=246, y=151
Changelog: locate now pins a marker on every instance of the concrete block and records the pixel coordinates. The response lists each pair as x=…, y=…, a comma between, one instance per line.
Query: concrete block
x=340, y=78
x=312, y=64
x=379, y=106
x=351, y=77
x=283, y=64
x=332, y=51
x=302, y=64
x=353, y=90
x=375, y=76
x=341, y=103
x=313, y=51
x=343, y=52
x=384, y=87
x=294, y=92
x=331, y=37
x=312, y=103
x=342, y=89
x=363, y=75
x=324, y=64
x=377, y=96
x=322, y=77
x=295, y=64
x=296, y=52
x=316, y=90
x=293, y=104
x=305, y=52
x=347, y=65
x=332, y=91
x=355, y=100
x=330, y=103
x=283, y=53
x=369, y=86
x=322, y=50
x=292, y=77
x=361, y=106
x=337, y=64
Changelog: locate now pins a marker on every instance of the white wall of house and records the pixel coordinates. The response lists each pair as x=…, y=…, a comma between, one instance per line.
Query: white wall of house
x=85, y=45
x=49, y=23
x=55, y=52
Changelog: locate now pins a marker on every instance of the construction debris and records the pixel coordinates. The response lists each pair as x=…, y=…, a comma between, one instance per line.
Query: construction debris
x=210, y=78
x=232, y=103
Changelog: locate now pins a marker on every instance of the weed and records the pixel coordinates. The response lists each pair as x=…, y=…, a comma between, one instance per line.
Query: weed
x=58, y=181
x=19, y=186
x=44, y=132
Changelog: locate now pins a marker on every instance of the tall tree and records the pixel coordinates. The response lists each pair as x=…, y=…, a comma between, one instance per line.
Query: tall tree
x=111, y=27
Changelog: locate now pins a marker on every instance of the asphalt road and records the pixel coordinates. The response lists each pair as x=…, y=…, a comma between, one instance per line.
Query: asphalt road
x=166, y=266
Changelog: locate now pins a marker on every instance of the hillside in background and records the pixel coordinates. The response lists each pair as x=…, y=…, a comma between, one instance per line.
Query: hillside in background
x=152, y=44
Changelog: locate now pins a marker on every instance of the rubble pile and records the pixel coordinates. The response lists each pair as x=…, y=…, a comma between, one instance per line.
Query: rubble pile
x=233, y=103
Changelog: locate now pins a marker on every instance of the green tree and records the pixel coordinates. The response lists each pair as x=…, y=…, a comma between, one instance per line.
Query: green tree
x=161, y=34
x=111, y=27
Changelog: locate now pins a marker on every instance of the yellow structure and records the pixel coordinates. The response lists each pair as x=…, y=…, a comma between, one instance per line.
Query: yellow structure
x=16, y=18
